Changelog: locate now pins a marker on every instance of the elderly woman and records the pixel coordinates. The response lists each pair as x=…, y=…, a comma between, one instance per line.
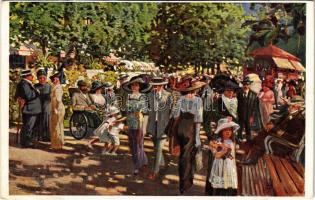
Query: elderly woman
x=188, y=115
x=137, y=117
x=57, y=113
x=42, y=122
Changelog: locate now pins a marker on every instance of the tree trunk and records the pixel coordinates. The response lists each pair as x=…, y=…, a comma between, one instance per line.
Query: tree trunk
x=218, y=67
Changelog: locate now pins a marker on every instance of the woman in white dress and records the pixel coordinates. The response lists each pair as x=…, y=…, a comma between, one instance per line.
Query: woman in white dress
x=96, y=94
x=57, y=113
x=223, y=175
x=98, y=99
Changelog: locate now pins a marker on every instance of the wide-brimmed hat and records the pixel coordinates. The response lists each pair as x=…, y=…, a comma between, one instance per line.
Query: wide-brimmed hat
x=158, y=81
x=193, y=85
x=54, y=74
x=41, y=72
x=26, y=72
x=296, y=100
x=144, y=87
x=96, y=85
x=226, y=123
x=82, y=83
x=246, y=81
x=230, y=85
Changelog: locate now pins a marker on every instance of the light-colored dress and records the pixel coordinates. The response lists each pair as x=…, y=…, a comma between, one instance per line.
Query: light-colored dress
x=109, y=136
x=98, y=99
x=223, y=172
x=267, y=100
x=57, y=117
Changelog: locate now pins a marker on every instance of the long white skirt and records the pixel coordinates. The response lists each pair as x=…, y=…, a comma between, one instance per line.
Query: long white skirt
x=223, y=174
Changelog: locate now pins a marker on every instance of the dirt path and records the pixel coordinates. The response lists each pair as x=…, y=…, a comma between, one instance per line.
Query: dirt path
x=78, y=170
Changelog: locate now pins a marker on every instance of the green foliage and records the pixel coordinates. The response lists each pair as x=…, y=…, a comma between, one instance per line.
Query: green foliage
x=107, y=76
x=43, y=61
x=278, y=24
x=198, y=34
x=13, y=107
x=90, y=29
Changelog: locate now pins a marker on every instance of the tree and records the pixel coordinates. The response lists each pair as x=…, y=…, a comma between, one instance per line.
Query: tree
x=91, y=30
x=198, y=34
x=276, y=23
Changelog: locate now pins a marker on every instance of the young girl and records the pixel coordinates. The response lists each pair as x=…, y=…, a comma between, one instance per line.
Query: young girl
x=223, y=175
x=108, y=131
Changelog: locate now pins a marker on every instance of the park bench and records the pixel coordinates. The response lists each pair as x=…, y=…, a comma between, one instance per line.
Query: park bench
x=255, y=180
x=287, y=176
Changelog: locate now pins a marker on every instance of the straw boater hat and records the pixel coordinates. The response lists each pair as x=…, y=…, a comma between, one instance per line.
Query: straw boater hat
x=96, y=85
x=193, y=85
x=158, y=81
x=226, y=123
x=144, y=87
x=26, y=72
x=122, y=76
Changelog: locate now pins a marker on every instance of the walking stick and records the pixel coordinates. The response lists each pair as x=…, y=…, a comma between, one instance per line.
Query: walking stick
x=18, y=124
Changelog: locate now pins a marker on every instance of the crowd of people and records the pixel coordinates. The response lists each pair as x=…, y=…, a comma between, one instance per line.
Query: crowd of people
x=172, y=108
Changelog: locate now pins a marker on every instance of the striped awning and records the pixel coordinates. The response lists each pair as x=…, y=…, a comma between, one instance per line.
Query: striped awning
x=283, y=63
x=297, y=65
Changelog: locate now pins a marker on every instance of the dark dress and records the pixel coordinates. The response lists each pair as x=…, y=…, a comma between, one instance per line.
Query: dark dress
x=42, y=124
x=184, y=128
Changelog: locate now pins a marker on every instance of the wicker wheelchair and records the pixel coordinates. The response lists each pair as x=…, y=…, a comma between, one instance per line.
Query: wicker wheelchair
x=82, y=121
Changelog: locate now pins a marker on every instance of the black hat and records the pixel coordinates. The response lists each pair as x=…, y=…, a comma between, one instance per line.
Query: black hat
x=96, y=85
x=230, y=85
x=55, y=74
x=292, y=82
x=144, y=87
x=158, y=81
x=81, y=83
x=41, y=72
x=108, y=85
x=246, y=81
x=26, y=72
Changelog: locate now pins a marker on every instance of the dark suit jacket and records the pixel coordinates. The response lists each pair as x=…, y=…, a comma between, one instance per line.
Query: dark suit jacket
x=247, y=107
x=26, y=91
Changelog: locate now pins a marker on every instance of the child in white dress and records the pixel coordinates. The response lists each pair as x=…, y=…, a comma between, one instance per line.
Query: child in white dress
x=108, y=131
x=223, y=176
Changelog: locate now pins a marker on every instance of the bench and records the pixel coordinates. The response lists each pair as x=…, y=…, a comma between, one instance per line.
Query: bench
x=287, y=176
x=255, y=180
